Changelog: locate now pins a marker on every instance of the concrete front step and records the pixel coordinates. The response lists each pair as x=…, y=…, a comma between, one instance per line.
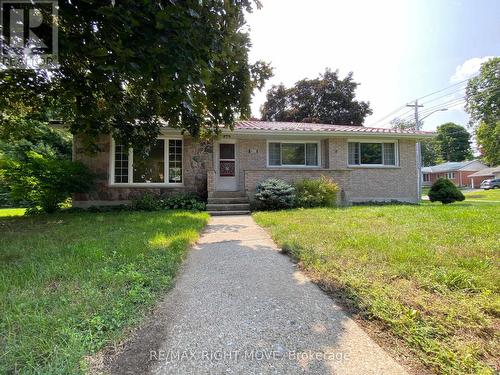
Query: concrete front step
x=228, y=207
x=227, y=194
x=227, y=213
x=227, y=200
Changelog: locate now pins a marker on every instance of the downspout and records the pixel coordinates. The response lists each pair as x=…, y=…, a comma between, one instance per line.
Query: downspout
x=419, y=173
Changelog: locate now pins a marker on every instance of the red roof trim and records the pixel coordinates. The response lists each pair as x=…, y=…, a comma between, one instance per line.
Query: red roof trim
x=311, y=127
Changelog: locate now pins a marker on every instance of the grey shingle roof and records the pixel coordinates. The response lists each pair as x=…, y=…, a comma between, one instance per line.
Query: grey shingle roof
x=486, y=172
x=449, y=166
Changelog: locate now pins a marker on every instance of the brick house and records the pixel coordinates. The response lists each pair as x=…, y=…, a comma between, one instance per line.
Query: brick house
x=485, y=174
x=458, y=172
x=369, y=164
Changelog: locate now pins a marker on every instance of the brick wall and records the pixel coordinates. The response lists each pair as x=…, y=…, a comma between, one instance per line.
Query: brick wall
x=254, y=177
x=388, y=183
x=196, y=159
x=358, y=184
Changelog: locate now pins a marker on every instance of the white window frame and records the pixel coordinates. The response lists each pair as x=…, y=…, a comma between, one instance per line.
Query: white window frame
x=396, y=153
x=130, y=182
x=450, y=175
x=318, y=143
x=426, y=177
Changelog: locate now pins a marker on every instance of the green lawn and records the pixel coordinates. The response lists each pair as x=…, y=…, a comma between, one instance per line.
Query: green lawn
x=484, y=195
x=71, y=283
x=479, y=196
x=11, y=212
x=430, y=274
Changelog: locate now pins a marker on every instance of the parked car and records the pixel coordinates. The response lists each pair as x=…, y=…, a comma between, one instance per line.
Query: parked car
x=490, y=184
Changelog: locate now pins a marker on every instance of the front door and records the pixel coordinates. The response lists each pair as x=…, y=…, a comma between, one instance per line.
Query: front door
x=227, y=169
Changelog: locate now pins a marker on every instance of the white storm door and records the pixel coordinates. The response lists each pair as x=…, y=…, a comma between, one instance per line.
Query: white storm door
x=227, y=167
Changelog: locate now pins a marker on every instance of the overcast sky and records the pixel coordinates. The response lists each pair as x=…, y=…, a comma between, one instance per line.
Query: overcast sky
x=398, y=50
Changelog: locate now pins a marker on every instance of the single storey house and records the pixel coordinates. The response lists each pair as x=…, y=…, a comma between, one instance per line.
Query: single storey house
x=369, y=164
x=484, y=174
x=457, y=172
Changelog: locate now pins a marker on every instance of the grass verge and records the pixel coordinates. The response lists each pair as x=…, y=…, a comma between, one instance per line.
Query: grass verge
x=484, y=195
x=429, y=274
x=71, y=283
x=4, y=212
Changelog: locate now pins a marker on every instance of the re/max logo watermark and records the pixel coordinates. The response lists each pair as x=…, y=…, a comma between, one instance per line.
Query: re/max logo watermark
x=28, y=34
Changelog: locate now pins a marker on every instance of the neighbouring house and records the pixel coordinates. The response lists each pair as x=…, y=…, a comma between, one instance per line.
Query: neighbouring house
x=460, y=173
x=484, y=174
x=369, y=164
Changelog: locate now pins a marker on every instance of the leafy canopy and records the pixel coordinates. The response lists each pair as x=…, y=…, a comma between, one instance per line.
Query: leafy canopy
x=44, y=182
x=451, y=144
x=327, y=99
x=488, y=139
x=483, y=106
x=127, y=65
x=454, y=142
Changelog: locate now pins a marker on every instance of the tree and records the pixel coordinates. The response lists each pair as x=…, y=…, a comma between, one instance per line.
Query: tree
x=431, y=155
x=20, y=135
x=488, y=140
x=454, y=142
x=327, y=99
x=483, y=106
x=127, y=65
x=401, y=124
x=44, y=182
x=429, y=148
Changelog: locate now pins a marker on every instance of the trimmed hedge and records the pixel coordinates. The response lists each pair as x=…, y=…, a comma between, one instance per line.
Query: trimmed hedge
x=445, y=191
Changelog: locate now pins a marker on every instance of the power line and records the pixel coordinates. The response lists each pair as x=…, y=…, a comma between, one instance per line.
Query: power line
x=445, y=95
x=450, y=103
x=425, y=96
x=425, y=113
x=446, y=88
x=389, y=114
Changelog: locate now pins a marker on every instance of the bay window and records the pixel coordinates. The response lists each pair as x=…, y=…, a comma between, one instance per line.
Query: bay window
x=297, y=154
x=372, y=153
x=162, y=164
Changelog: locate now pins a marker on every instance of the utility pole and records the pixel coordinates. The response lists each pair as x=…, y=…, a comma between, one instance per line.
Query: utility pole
x=416, y=106
x=419, y=152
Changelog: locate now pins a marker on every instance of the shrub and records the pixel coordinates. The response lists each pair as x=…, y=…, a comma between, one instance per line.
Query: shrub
x=320, y=192
x=445, y=191
x=147, y=202
x=44, y=182
x=182, y=201
x=275, y=194
x=101, y=209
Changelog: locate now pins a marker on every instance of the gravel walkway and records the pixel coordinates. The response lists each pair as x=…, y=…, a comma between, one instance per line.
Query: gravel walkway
x=241, y=307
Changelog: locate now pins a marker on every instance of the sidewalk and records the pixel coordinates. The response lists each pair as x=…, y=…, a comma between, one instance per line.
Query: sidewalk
x=239, y=306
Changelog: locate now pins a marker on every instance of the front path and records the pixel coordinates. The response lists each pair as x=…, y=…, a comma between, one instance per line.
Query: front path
x=239, y=306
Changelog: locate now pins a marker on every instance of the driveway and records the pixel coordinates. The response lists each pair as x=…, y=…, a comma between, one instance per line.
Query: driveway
x=240, y=306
